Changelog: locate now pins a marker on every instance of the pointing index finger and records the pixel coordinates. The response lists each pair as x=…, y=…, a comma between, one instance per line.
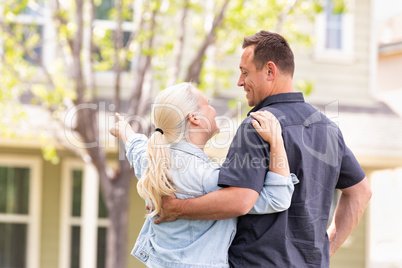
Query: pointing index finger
x=119, y=117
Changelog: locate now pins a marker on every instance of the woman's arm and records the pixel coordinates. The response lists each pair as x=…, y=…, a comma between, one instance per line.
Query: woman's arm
x=121, y=129
x=136, y=153
x=276, y=195
x=277, y=192
x=269, y=128
x=135, y=145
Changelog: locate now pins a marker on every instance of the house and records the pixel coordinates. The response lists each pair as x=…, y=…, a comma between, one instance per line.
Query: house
x=51, y=215
x=358, y=86
x=385, y=237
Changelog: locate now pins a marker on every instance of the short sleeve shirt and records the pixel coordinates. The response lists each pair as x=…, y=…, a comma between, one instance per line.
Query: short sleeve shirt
x=317, y=154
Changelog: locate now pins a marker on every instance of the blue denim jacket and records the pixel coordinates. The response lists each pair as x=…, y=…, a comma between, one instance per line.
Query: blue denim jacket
x=196, y=243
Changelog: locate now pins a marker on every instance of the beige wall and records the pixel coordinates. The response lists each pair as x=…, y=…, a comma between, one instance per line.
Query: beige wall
x=346, y=81
x=353, y=252
x=389, y=72
x=50, y=215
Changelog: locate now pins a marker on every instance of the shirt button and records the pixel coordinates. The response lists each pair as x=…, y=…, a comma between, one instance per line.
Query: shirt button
x=144, y=256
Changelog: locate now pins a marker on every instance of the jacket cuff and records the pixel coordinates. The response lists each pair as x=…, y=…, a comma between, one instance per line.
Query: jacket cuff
x=274, y=179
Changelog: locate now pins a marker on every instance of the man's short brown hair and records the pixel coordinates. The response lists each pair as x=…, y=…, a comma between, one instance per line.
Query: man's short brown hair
x=271, y=47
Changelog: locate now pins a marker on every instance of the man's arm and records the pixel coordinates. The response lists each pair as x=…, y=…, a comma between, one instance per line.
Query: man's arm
x=351, y=206
x=223, y=204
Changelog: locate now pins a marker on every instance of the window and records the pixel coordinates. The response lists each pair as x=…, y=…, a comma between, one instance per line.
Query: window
x=27, y=26
x=103, y=9
x=333, y=29
x=14, y=195
x=103, y=59
x=335, y=34
x=73, y=222
x=19, y=211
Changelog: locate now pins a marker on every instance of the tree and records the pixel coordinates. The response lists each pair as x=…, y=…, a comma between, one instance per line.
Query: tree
x=145, y=40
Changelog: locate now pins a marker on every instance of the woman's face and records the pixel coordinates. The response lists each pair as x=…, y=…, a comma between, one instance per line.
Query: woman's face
x=207, y=115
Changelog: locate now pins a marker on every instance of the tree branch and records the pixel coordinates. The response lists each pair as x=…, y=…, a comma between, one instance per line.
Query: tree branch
x=179, y=46
x=90, y=45
x=76, y=53
x=30, y=54
x=136, y=97
x=194, y=71
x=282, y=16
x=118, y=43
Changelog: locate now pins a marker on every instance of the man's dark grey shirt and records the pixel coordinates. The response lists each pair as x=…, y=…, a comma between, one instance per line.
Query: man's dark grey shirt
x=317, y=154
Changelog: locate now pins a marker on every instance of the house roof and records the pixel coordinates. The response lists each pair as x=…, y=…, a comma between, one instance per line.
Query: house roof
x=390, y=48
x=390, y=35
x=372, y=133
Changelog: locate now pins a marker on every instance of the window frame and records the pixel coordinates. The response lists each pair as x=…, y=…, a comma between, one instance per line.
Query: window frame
x=32, y=20
x=66, y=219
x=344, y=55
x=33, y=218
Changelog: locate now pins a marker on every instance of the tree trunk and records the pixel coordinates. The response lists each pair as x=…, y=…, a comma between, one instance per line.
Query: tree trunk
x=118, y=204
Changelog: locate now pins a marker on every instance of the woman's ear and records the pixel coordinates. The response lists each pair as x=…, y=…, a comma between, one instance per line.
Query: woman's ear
x=192, y=117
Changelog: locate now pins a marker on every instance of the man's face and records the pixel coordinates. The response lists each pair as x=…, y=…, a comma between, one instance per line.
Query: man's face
x=252, y=80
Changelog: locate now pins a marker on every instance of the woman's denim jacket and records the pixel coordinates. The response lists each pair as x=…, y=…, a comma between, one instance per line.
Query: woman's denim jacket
x=196, y=243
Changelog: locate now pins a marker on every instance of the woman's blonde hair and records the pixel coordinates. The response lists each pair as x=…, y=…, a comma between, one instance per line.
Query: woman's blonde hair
x=169, y=113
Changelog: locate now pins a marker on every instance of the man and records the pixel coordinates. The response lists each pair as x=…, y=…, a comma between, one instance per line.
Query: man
x=317, y=155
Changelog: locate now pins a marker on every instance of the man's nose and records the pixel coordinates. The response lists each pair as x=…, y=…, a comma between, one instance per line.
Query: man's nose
x=240, y=83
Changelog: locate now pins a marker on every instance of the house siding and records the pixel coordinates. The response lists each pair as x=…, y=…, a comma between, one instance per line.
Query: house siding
x=50, y=215
x=352, y=253
x=347, y=82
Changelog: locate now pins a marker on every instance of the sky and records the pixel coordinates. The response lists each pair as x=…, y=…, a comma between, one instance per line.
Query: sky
x=386, y=8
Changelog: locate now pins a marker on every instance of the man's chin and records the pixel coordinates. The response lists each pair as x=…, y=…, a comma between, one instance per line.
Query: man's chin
x=250, y=103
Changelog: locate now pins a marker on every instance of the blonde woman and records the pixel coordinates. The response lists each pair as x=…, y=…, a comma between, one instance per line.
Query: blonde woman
x=173, y=161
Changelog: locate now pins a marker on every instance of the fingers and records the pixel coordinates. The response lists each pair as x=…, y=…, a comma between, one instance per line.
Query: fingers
x=119, y=117
x=256, y=125
x=265, y=118
x=158, y=220
x=263, y=115
x=112, y=131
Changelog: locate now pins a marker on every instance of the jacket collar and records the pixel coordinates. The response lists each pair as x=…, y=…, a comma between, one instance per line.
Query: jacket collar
x=190, y=149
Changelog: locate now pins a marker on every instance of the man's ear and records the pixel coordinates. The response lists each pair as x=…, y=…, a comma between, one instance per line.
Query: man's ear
x=271, y=70
x=192, y=117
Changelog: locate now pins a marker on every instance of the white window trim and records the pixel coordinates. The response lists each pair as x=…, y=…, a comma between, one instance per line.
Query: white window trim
x=33, y=218
x=346, y=54
x=90, y=222
x=106, y=78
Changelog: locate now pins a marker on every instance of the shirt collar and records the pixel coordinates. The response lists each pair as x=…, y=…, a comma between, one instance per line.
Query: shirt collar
x=278, y=98
x=190, y=149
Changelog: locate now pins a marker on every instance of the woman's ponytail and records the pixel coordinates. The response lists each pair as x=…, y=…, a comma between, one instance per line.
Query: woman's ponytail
x=157, y=181
x=169, y=115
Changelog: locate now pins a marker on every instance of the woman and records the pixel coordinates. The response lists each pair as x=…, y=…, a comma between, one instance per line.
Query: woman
x=174, y=162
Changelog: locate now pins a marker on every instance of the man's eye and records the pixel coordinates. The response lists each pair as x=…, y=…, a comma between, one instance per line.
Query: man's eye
x=244, y=73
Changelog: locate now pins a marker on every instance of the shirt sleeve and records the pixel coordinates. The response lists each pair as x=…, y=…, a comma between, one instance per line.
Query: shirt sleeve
x=276, y=195
x=351, y=172
x=136, y=152
x=210, y=177
x=247, y=161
